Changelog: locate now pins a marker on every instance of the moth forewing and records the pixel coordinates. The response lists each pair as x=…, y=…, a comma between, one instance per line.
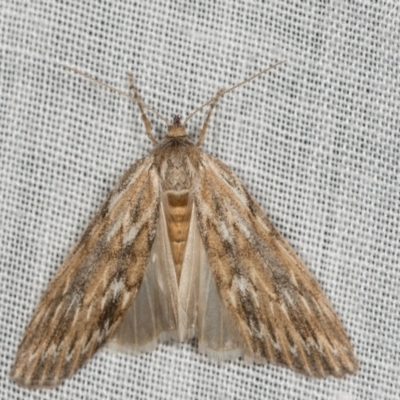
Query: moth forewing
x=179, y=250
x=87, y=298
x=279, y=309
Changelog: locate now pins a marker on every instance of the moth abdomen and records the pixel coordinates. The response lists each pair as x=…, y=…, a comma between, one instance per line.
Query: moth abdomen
x=178, y=211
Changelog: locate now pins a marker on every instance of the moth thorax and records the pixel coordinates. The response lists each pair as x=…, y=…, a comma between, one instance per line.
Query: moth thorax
x=176, y=130
x=178, y=212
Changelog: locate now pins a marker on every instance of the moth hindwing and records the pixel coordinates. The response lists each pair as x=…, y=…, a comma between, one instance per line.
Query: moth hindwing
x=180, y=250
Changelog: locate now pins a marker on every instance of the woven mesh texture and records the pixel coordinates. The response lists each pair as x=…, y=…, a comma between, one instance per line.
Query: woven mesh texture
x=316, y=142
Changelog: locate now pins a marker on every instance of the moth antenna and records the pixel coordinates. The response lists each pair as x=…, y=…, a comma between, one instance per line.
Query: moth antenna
x=121, y=92
x=145, y=119
x=222, y=92
x=203, y=130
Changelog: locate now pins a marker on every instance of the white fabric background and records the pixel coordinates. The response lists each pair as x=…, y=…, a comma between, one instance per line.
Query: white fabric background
x=316, y=141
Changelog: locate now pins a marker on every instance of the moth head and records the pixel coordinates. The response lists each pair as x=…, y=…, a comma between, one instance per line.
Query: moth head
x=176, y=129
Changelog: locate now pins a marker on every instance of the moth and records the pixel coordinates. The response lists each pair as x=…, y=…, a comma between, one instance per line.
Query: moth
x=181, y=250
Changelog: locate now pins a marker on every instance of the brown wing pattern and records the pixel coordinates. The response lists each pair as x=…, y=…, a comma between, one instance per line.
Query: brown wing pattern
x=280, y=310
x=95, y=286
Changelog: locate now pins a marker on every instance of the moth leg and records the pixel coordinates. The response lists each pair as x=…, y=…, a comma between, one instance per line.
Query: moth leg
x=139, y=102
x=203, y=130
